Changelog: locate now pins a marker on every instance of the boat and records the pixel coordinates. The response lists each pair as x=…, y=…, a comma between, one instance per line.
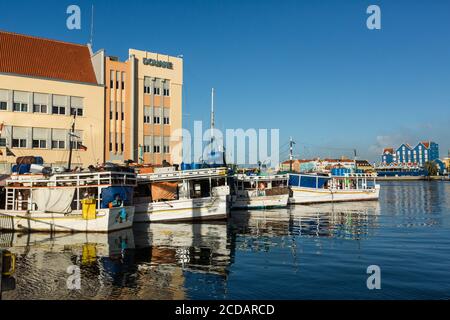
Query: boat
x=169, y=195
x=310, y=188
x=260, y=191
x=99, y=201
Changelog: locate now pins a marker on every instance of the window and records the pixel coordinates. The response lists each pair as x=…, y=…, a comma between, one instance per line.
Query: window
x=3, y=105
x=156, y=91
x=147, y=85
x=20, y=107
x=2, y=142
x=166, y=149
x=40, y=108
x=110, y=146
x=59, y=110
x=40, y=144
x=77, y=111
x=110, y=115
x=146, y=119
x=166, y=120
x=76, y=145
x=156, y=149
x=146, y=149
x=156, y=120
x=58, y=144
x=19, y=143
x=123, y=85
x=117, y=115
x=166, y=92
x=122, y=115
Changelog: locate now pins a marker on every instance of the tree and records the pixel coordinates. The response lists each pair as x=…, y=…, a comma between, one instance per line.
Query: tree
x=431, y=168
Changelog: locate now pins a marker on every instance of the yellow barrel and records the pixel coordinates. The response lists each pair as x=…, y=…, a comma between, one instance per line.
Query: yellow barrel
x=89, y=208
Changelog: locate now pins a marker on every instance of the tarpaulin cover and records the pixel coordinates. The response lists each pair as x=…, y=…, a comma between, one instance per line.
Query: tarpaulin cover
x=54, y=200
x=109, y=194
x=164, y=191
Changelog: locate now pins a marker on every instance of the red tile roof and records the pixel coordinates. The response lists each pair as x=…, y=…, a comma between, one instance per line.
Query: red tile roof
x=390, y=150
x=44, y=58
x=426, y=144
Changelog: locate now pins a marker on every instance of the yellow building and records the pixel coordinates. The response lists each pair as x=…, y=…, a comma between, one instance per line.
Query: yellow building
x=43, y=83
x=128, y=110
x=143, y=107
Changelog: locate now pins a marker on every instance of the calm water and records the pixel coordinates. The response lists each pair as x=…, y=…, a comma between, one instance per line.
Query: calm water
x=304, y=252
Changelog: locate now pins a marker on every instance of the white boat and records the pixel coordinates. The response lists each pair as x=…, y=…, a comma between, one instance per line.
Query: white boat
x=260, y=191
x=306, y=189
x=35, y=202
x=188, y=195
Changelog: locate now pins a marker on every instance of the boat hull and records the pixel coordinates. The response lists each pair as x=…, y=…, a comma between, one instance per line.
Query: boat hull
x=107, y=220
x=210, y=208
x=302, y=195
x=260, y=202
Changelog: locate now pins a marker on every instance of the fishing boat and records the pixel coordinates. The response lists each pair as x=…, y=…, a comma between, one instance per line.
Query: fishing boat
x=169, y=195
x=260, y=191
x=69, y=202
x=309, y=188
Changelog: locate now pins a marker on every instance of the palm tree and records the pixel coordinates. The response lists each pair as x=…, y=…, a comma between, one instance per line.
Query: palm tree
x=431, y=168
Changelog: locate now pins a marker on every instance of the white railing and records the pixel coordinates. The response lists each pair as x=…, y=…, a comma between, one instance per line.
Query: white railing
x=183, y=175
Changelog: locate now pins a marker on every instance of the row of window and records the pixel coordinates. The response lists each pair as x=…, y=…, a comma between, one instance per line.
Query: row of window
x=156, y=149
x=40, y=108
x=156, y=90
x=111, y=115
x=156, y=120
x=39, y=144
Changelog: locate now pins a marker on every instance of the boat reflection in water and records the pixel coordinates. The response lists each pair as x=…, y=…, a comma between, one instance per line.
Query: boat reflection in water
x=339, y=220
x=155, y=261
x=183, y=260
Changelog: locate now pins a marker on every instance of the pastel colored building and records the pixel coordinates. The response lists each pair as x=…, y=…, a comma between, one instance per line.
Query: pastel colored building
x=130, y=110
x=42, y=84
x=143, y=108
x=406, y=154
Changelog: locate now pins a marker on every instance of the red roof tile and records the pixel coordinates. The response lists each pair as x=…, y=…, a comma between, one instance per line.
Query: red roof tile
x=390, y=150
x=426, y=144
x=38, y=57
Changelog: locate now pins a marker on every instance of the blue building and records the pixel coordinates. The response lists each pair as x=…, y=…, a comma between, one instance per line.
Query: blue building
x=406, y=155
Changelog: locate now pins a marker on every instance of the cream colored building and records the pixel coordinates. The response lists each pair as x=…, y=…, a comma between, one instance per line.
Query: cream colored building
x=42, y=84
x=143, y=108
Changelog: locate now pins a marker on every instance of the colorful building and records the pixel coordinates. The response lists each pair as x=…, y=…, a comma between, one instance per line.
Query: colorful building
x=143, y=108
x=129, y=110
x=407, y=155
x=43, y=83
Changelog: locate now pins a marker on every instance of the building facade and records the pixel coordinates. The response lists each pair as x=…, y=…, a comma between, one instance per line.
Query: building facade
x=143, y=108
x=407, y=155
x=43, y=84
x=130, y=110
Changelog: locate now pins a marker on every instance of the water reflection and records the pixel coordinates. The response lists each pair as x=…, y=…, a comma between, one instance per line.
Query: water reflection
x=172, y=261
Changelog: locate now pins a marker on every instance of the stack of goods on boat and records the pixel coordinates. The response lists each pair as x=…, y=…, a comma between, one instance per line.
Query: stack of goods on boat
x=99, y=199
x=196, y=192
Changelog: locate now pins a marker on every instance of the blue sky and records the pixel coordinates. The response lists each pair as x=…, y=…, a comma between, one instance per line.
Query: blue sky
x=310, y=68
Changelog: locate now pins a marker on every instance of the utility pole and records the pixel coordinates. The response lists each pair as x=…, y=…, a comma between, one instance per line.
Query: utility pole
x=291, y=145
x=354, y=159
x=72, y=133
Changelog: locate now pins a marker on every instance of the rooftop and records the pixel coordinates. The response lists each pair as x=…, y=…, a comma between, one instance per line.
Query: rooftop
x=44, y=58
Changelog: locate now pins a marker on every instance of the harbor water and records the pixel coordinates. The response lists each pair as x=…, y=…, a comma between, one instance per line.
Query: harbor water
x=302, y=252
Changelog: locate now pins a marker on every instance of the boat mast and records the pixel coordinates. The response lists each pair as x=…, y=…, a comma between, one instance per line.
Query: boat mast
x=71, y=134
x=212, y=116
x=291, y=157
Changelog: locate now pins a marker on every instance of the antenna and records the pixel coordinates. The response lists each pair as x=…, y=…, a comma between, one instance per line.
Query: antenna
x=212, y=115
x=91, y=41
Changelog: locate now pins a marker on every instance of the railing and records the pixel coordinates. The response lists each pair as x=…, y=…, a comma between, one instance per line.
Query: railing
x=88, y=179
x=243, y=177
x=183, y=175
